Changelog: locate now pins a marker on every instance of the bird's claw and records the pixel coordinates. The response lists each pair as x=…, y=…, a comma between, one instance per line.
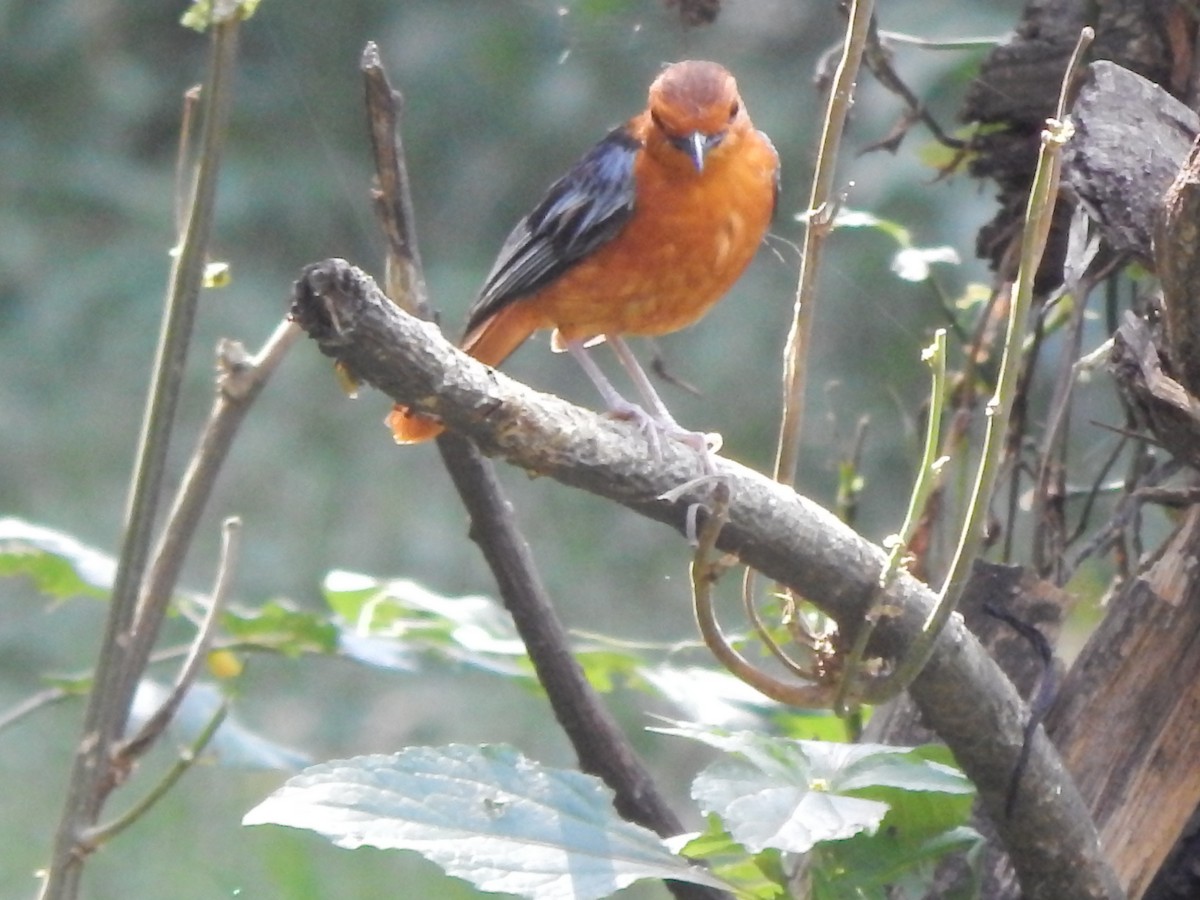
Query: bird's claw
x=654, y=429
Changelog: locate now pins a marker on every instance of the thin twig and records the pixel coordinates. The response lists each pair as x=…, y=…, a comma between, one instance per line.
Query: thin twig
x=239, y=383
x=32, y=704
x=1038, y=217
x=817, y=226
x=1051, y=475
x=116, y=672
x=157, y=723
x=405, y=280
x=96, y=837
x=928, y=475
x=704, y=573
x=878, y=59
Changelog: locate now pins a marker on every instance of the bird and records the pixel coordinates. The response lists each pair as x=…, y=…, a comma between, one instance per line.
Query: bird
x=641, y=237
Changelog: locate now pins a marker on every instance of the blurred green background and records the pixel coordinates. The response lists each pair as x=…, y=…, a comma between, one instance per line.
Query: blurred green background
x=502, y=95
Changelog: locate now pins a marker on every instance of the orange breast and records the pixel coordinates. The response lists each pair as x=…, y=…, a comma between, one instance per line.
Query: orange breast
x=690, y=238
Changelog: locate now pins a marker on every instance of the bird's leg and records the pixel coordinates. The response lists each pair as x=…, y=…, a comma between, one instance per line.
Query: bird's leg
x=705, y=443
x=616, y=404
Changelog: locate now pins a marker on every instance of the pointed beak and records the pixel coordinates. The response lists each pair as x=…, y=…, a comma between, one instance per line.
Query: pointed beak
x=696, y=145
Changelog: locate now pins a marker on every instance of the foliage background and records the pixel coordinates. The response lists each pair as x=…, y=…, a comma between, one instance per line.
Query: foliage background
x=502, y=95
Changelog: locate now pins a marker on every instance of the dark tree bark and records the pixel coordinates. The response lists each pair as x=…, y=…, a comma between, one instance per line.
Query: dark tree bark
x=1127, y=719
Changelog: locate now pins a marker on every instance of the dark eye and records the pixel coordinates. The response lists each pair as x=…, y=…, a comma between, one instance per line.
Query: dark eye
x=658, y=122
x=733, y=110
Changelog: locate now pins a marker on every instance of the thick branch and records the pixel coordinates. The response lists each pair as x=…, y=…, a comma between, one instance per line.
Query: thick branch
x=790, y=539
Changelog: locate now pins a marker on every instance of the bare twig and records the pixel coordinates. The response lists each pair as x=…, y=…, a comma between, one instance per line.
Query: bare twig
x=96, y=837
x=32, y=704
x=117, y=670
x=405, y=281
x=818, y=223
x=878, y=59
x=136, y=746
x=926, y=482
x=1042, y=196
x=239, y=383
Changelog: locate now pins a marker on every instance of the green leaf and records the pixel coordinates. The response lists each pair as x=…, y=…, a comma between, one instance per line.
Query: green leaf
x=472, y=630
x=485, y=814
x=59, y=565
x=278, y=626
x=751, y=875
x=606, y=666
x=865, y=865
x=764, y=811
x=811, y=724
x=791, y=795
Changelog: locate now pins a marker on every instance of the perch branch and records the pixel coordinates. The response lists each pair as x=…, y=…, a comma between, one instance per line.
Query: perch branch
x=790, y=539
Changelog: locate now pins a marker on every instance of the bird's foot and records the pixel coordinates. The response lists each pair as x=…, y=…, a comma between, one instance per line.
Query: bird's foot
x=655, y=429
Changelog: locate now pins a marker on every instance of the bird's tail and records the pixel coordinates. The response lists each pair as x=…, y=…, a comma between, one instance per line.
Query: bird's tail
x=491, y=342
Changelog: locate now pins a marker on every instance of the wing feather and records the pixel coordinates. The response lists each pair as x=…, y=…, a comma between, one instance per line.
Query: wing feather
x=581, y=211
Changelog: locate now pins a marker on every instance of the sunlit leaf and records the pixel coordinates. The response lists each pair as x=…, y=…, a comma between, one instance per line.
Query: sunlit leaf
x=485, y=814
x=858, y=218
x=762, y=811
x=217, y=275
x=974, y=295
x=913, y=263
x=792, y=795
x=710, y=696
x=224, y=664
x=606, y=667
x=472, y=630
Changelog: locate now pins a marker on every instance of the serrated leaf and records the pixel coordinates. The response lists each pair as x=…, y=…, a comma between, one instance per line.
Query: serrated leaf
x=59, y=565
x=485, y=814
x=878, y=765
